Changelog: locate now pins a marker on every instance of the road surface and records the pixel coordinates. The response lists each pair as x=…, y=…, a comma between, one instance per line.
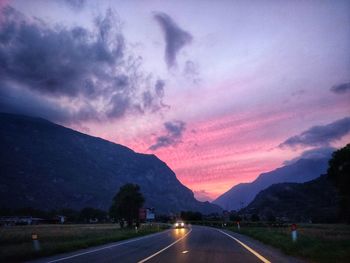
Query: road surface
x=194, y=244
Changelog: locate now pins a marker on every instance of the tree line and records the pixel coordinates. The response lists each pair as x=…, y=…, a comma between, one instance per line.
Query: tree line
x=125, y=208
x=129, y=199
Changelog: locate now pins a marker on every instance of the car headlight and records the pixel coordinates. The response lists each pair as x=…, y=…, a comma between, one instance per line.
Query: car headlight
x=182, y=224
x=176, y=224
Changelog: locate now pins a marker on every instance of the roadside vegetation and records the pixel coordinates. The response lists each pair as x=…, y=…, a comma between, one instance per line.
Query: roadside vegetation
x=16, y=238
x=322, y=243
x=126, y=205
x=316, y=242
x=17, y=245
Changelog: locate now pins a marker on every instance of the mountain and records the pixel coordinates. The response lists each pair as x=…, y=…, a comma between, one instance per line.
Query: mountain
x=316, y=200
x=47, y=166
x=300, y=171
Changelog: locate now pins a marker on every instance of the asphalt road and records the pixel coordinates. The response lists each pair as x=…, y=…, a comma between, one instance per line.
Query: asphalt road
x=195, y=244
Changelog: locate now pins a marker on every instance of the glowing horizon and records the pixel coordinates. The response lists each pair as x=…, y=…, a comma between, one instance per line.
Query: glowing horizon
x=221, y=92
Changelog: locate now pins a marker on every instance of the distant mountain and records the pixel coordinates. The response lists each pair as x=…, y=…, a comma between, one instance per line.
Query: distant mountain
x=316, y=200
x=47, y=166
x=300, y=171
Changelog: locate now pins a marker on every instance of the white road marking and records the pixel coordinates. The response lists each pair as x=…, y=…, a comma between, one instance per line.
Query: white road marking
x=184, y=252
x=247, y=247
x=160, y=251
x=102, y=248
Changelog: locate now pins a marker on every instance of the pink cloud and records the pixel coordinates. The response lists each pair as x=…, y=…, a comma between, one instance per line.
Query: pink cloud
x=202, y=195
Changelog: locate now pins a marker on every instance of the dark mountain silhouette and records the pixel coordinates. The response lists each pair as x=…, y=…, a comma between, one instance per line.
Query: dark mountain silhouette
x=47, y=166
x=315, y=201
x=300, y=171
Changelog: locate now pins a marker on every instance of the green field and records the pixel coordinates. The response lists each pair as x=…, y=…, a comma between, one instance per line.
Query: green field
x=16, y=243
x=316, y=242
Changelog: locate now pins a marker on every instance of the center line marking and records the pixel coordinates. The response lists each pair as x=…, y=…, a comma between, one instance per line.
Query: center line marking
x=160, y=251
x=247, y=248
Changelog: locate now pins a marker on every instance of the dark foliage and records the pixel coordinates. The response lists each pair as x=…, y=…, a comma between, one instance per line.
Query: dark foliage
x=314, y=201
x=255, y=218
x=191, y=216
x=126, y=204
x=71, y=216
x=339, y=173
x=235, y=217
x=90, y=214
x=300, y=171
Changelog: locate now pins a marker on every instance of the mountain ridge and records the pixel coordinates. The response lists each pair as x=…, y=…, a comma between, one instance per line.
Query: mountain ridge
x=300, y=171
x=316, y=201
x=47, y=166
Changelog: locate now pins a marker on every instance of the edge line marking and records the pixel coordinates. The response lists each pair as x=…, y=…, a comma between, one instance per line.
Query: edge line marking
x=247, y=247
x=102, y=248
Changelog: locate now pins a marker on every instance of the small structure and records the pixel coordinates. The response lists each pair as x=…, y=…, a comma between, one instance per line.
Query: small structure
x=142, y=214
x=20, y=220
x=93, y=220
x=61, y=219
x=147, y=214
x=150, y=214
x=294, y=232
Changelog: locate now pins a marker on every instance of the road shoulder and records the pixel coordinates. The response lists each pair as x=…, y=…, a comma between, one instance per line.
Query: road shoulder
x=273, y=254
x=77, y=253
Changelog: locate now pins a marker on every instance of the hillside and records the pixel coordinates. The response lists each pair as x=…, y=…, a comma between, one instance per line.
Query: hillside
x=300, y=171
x=315, y=200
x=47, y=166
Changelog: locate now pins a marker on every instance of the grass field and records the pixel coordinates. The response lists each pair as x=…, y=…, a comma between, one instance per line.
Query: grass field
x=316, y=242
x=16, y=244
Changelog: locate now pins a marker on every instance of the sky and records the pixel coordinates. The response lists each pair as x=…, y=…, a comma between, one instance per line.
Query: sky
x=219, y=90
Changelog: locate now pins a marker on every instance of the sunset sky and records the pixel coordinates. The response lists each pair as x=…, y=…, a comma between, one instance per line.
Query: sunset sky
x=220, y=90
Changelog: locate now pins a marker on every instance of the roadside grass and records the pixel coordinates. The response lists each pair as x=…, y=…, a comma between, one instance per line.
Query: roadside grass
x=16, y=244
x=324, y=243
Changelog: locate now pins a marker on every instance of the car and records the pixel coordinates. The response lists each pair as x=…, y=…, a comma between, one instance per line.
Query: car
x=179, y=224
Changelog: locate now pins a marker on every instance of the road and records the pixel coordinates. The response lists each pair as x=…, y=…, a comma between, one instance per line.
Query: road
x=194, y=244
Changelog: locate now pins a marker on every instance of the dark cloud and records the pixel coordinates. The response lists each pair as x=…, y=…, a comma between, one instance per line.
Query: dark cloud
x=175, y=37
x=118, y=106
x=341, y=88
x=191, y=72
x=172, y=136
x=159, y=88
x=320, y=135
x=76, y=5
x=23, y=101
x=318, y=153
x=84, y=74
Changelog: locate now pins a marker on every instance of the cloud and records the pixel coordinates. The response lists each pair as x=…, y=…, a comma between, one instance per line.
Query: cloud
x=175, y=37
x=191, y=72
x=320, y=135
x=159, y=88
x=84, y=74
x=202, y=196
x=341, y=88
x=172, y=136
x=76, y=5
x=318, y=153
x=21, y=101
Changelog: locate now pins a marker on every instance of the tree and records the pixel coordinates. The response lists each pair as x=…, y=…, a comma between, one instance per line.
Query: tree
x=90, y=213
x=191, y=216
x=339, y=173
x=234, y=216
x=255, y=218
x=126, y=204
